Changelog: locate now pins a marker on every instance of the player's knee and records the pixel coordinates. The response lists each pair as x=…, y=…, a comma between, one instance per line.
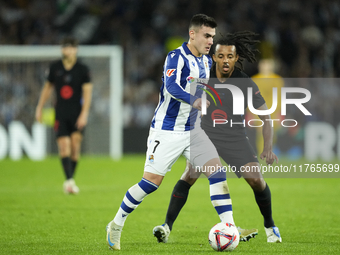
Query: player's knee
x=257, y=184
x=64, y=153
x=64, y=150
x=75, y=156
x=76, y=137
x=189, y=180
x=189, y=175
x=75, y=152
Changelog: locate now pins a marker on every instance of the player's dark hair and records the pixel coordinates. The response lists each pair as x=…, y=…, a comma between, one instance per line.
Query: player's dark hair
x=243, y=42
x=201, y=19
x=69, y=41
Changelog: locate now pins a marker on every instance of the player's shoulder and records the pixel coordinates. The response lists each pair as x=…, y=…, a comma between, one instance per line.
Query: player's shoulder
x=173, y=58
x=272, y=75
x=80, y=64
x=174, y=54
x=81, y=67
x=56, y=64
x=256, y=76
x=238, y=73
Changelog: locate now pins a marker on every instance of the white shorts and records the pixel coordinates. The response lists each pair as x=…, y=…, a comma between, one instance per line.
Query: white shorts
x=165, y=147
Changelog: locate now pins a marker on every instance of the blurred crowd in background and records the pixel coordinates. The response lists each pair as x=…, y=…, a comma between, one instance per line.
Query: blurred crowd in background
x=303, y=37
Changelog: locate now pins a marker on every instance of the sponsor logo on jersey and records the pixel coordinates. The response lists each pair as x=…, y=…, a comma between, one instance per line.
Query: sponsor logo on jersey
x=201, y=81
x=170, y=72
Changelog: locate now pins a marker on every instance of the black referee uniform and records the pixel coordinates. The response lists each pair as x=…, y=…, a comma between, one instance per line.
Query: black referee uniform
x=68, y=86
x=231, y=142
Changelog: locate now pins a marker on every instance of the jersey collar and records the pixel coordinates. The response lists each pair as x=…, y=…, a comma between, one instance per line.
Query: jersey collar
x=187, y=51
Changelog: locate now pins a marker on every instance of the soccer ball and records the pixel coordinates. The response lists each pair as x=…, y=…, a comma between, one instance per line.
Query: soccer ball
x=224, y=237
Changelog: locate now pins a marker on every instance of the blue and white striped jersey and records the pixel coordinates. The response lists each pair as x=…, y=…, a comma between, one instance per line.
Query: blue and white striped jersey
x=174, y=111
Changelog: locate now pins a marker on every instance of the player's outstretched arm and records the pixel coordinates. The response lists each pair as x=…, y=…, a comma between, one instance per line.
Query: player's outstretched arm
x=87, y=98
x=45, y=94
x=268, y=133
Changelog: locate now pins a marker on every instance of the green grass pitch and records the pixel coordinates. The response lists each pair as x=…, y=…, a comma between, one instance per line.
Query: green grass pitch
x=37, y=218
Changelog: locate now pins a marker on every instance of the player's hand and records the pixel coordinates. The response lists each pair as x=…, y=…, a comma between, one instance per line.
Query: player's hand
x=270, y=157
x=38, y=114
x=81, y=121
x=198, y=104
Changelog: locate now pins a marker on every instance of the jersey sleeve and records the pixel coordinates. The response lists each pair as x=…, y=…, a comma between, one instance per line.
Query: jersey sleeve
x=173, y=81
x=86, y=75
x=258, y=100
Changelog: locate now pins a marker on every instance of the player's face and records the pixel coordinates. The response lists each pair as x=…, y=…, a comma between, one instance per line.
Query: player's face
x=202, y=39
x=69, y=52
x=225, y=57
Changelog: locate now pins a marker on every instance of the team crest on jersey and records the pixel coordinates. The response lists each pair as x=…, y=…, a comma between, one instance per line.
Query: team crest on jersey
x=170, y=72
x=151, y=158
x=206, y=64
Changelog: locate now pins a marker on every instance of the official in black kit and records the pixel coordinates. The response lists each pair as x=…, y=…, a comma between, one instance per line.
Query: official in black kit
x=71, y=81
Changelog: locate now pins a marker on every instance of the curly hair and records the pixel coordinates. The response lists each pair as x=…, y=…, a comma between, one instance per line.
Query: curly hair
x=243, y=42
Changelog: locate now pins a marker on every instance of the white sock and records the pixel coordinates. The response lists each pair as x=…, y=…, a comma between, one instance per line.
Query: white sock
x=220, y=198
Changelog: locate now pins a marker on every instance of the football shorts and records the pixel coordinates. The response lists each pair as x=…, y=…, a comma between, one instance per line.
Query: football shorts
x=235, y=152
x=165, y=147
x=65, y=127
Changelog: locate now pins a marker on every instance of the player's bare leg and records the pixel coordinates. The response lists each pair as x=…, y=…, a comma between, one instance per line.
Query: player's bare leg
x=178, y=199
x=76, y=139
x=154, y=178
x=219, y=190
x=263, y=199
x=254, y=177
x=219, y=194
x=64, y=146
x=189, y=175
x=133, y=197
